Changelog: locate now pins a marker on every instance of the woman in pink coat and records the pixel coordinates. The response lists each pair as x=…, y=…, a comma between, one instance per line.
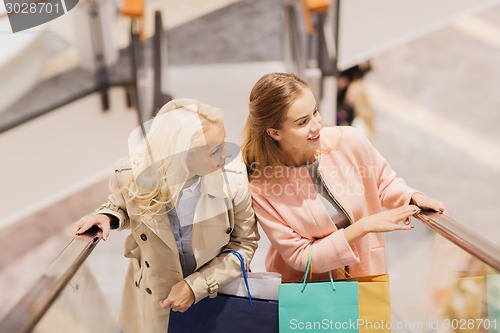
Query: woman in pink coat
x=321, y=185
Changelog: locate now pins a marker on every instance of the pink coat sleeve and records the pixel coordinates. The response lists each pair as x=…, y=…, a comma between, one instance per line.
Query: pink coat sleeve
x=293, y=247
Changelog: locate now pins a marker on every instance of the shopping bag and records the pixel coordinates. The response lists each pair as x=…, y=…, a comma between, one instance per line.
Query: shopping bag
x=228, y=313
x=464, y=303
x=264, y=285
x=493, y=297
x=318, y=306
x=374, y=299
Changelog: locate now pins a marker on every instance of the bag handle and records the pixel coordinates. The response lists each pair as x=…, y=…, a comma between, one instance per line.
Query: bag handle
x=244, y=271
x=344, y=273
x=309, y=270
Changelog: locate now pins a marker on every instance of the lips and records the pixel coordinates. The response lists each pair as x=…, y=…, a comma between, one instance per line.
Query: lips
x=314, y=137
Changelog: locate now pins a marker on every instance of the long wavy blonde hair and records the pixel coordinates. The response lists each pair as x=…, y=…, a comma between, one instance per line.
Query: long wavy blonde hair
x=159, y=159
x=270, y=99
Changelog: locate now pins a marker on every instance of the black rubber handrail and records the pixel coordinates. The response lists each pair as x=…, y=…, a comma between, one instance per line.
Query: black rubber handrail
x=463, y=237
x=25, y=315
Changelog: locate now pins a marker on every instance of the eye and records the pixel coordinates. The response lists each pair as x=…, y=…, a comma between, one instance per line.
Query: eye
x=303, y=122
x=316, y=111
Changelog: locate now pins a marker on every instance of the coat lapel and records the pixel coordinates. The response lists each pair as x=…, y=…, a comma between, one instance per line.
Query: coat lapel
x=337, y=192
x=214, y=199
x=312, y=203
x=160, y=225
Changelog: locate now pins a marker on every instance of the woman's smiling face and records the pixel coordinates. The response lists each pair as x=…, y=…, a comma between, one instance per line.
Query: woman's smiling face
x=298, y=137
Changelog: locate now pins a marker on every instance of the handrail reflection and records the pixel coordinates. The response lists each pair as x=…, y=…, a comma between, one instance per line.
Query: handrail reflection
x=463, y=237
x=24, y=316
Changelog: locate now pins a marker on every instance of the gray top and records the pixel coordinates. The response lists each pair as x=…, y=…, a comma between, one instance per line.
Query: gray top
x=334, y=211
x=181, y=220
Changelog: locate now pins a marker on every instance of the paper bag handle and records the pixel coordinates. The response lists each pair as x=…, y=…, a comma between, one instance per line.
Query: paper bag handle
x=309, y=269
x=344, y=273
x=243, y=270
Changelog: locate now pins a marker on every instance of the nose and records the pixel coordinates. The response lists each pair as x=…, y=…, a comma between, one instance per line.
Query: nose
x=316, y=124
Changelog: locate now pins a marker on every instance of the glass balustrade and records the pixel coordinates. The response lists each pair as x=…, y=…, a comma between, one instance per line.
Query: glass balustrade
x=444, y=278
x=66, y=298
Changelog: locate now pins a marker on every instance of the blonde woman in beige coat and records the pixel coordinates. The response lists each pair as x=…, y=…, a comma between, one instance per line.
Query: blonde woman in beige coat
x=184, y=205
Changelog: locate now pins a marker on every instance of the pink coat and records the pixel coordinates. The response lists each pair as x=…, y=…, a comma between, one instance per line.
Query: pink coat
x=293, y=216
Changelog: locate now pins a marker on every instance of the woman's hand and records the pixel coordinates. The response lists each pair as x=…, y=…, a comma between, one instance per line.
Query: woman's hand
x=381, y=222
x=389, y=220
x=86, y=222
x=181, y=297
x=424, y=202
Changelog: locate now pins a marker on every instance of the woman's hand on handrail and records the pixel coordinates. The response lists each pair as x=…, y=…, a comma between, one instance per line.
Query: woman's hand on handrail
x=85, y=223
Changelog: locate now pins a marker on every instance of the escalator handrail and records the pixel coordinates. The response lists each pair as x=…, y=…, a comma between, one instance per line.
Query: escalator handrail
x=460, y=235
x=25, y=315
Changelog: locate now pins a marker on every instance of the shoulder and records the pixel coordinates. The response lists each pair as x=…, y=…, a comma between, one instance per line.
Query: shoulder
x=343, y=137
x=352, y=133
x=357, y=143
x=270, y=188
x=330, y=131
x=123, y=165
x=353, y=148
x=333, y=137
x=236, y=174
x=123, y=171
x=333, y=134
x=236, y=167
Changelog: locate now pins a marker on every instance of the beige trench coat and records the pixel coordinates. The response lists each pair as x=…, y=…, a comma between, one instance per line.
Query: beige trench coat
x=224, y=219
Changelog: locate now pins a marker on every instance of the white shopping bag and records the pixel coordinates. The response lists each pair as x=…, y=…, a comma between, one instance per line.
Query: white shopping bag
x=263, y=285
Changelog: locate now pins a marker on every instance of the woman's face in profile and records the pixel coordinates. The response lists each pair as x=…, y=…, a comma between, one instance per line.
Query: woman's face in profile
x=207, y=158
x=300, y=131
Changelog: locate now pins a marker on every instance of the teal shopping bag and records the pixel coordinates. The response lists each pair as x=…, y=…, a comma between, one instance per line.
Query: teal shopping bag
x=493, y=297
x=318, y=306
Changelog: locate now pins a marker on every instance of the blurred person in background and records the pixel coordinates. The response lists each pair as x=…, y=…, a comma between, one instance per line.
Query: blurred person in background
x=353, y=105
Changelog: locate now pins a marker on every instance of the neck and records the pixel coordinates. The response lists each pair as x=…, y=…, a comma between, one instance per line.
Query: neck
x=299, y=158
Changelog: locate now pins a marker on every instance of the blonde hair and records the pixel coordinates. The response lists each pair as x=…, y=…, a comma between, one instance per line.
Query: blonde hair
x=159, y=160
x=270, y=99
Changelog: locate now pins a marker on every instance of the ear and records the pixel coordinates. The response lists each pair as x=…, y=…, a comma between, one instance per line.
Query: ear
x=274, y=134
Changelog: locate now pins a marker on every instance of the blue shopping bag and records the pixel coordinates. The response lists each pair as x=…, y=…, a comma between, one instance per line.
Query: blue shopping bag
x=227, y=314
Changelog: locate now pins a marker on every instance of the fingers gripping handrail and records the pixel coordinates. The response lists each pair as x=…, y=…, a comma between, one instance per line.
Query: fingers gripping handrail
x=463, y=237
x=24, y=316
